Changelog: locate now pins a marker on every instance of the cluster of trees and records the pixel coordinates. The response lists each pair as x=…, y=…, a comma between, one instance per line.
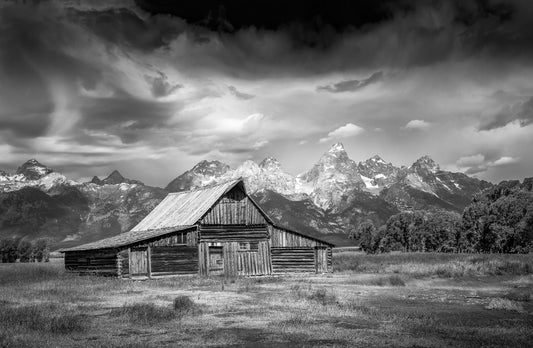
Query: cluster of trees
x=499, y=220
x=13, y=249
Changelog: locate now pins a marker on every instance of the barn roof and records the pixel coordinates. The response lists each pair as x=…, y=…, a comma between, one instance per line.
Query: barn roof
x=127, y=238
x=177, y=211
x=185, y=208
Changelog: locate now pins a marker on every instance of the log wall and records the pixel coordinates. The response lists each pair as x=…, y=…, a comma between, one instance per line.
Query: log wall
x=233, y=233
x=286, y=260
x=166, y=260
x=99, y=262
x=189, y=238
x=234, y=208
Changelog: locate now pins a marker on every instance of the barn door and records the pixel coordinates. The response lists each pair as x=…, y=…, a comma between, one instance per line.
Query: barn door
x=321, y=259
x=139, y=261
x=216, y=261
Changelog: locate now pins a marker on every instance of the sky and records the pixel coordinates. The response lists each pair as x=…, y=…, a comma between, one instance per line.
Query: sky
x=152, y=87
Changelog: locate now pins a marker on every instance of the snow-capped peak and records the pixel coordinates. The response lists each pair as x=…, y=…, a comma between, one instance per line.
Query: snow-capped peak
x=270, y=164
x=425, y=163
x=337, y=147
x=33, y=170
x=377, y=159
x=210, y=168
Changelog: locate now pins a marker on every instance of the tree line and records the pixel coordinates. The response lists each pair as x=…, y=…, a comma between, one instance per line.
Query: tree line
x=13, y=249
x=498, y=220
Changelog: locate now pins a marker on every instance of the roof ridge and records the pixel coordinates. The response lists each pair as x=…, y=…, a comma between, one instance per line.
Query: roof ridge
x=207, y=186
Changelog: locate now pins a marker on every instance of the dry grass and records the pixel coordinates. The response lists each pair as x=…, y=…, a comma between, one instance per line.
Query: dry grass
x=397, y=306
x=145, y=313
x=44, y=317
x=434, y=264
x=505, y=304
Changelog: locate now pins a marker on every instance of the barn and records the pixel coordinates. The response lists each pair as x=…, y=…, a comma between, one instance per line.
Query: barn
x=213, y=230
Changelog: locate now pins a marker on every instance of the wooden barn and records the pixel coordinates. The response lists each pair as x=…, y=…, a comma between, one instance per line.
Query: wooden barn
x=214, y=230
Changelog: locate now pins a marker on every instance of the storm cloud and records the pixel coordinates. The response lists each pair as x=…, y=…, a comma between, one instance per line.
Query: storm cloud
x=91, y=86
x=352, y=85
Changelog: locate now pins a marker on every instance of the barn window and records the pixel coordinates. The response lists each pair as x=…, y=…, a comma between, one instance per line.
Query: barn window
x=248, y=246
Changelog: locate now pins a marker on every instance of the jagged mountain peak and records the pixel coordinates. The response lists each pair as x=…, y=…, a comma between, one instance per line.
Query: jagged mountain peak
x=203, y=173
x=33, y=162
x=425, y=163
x=115, y=178
x=336, y=148
x=33, y=170
x=210, y=168
x=377, y=158
x=335, y=154
x=115, y=175
x=374, y=161
x=270, y=164
x=96, y=180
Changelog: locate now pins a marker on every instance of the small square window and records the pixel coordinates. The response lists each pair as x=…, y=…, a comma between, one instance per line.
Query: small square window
x=244, y=246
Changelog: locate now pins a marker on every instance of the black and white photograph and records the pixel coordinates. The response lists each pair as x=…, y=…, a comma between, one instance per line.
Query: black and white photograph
x=265, y=173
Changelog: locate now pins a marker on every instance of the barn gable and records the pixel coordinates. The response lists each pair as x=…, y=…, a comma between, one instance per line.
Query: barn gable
x=235, y=208
x=185, y=208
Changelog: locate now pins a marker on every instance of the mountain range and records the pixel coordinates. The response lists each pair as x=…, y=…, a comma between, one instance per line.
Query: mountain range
x=328, y=201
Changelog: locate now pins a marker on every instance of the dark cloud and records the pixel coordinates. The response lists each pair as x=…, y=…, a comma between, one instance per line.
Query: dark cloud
x=479, y=25
x=240, y=95
x=124, y=27
x=160, y=85
x=129, y=118
x=522, y=112
x=238, y=14
x=352, y=85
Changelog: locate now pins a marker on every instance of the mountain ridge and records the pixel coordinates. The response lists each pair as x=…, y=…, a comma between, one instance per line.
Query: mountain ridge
x=329, y=200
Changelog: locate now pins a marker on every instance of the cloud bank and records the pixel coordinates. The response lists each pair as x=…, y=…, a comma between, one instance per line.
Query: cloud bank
x=89, y=87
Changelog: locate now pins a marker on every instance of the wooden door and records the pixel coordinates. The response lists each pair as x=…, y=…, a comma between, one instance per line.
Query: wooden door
x=139, y=261
x=216, y=260
x=321, y=259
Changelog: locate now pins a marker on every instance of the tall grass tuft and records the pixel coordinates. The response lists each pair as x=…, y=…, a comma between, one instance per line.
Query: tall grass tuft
x=151, y=314
x=323, y=297
x=183, y=305
x=145, y=313
x=45, y=317
x=505, y=304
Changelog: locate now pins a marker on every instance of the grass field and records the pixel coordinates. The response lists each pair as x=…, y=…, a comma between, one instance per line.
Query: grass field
x=409, y=300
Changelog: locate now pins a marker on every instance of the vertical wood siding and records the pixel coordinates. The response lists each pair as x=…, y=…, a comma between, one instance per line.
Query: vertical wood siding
x=203, y=258
x=254, y=262
x=230, y=250
x=100, y=262
x=139, y=261
x=234, y=208
x=123, y=263
x=321, y=260
x=330, y=259
x=237, y=262
x=282, y=238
